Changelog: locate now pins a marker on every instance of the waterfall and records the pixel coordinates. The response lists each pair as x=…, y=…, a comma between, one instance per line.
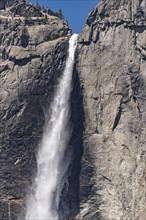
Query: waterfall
x=52, y=167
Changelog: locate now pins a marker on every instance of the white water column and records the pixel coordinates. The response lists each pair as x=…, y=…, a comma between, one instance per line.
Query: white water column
x=52, y=167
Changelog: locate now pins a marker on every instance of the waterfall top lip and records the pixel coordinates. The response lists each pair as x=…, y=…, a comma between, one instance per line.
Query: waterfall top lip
x=75, y=34
x=75, y=37
x=73, y=43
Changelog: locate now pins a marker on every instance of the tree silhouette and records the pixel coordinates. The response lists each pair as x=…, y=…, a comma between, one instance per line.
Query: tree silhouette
x=60, y=14
x=38, y=5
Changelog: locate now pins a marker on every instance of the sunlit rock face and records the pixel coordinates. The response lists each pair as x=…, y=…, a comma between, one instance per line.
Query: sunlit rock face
x=111, y=63
x=32, y=57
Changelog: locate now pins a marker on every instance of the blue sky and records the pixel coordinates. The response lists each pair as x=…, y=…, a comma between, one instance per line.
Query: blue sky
x=74, y=11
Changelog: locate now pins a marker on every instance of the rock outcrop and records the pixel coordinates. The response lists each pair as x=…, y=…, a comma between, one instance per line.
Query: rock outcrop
x=111, y=63
x=32, y=56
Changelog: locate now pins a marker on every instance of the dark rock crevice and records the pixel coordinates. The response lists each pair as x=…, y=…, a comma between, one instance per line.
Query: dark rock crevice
x=117, y=118
x=72, y=200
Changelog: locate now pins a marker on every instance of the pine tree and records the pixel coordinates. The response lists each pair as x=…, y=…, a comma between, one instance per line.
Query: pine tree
x=46, y=17
x=37, y=5
x=60, y=14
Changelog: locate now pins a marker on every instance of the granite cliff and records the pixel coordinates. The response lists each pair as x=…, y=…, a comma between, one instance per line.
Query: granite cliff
x=107, y=176
x=111, y=64
x=32, y=56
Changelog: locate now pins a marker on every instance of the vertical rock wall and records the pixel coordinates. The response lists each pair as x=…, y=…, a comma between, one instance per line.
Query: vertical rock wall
x=32, y=57
x=111, y=64
x=108, y=107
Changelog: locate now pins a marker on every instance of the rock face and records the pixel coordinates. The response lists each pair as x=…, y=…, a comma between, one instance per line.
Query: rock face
x=106, y=180
x=32, y=57
x=111, y=64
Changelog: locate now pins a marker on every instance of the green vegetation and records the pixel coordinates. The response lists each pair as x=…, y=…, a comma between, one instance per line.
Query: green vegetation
x=38, y=5
x=60, y=14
